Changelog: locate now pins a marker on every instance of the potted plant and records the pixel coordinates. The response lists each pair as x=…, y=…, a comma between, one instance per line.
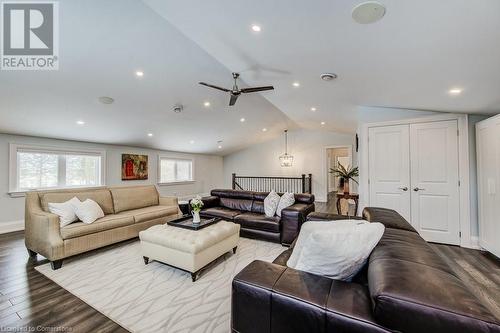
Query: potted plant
x=196, y=205
x=346, y=174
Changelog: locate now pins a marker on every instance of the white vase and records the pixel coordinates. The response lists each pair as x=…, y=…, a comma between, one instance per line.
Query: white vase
x=196, y=217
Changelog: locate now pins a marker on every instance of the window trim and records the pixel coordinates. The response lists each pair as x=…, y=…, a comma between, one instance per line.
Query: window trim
x=14, y=148
x=160, y=183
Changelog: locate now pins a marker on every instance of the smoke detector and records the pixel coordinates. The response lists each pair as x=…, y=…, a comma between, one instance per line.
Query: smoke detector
x=106, y=100
x=368, y=12
x=178, y=108
x=328, y=76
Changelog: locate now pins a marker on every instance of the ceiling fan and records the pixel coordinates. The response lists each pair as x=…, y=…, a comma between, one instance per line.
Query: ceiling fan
x=236, y=92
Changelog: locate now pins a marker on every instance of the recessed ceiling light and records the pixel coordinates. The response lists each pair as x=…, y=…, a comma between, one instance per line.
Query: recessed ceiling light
x=219, y=146
x=323, y=123
x=455, y=91
x=256, y=28
x=191, y=142
x=313, y=109
x=106, y=100
x=150, y=134
x=264, y=129
x=242, y=120
x=206, y=104
x=296, y=84
x=139, y=73
x=368, y=12
x=80, y=122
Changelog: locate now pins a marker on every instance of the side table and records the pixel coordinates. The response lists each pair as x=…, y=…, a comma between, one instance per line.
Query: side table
x=347, y=196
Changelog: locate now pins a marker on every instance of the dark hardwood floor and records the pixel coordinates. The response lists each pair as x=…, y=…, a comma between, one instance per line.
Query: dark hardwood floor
x=28, y=299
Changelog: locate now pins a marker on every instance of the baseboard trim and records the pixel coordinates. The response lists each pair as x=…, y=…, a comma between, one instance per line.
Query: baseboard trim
x=474, y=243
x=11, y=226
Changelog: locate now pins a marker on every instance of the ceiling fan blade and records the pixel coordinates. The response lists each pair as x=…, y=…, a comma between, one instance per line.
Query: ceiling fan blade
x=256, y=89
x=233, y=99
x=212, y=86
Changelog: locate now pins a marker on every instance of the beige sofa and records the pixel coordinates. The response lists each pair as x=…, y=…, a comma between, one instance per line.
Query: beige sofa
x=127, y=210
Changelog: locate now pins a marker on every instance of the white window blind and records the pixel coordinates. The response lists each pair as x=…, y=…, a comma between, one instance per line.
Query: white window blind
x=174, y=170
x=41, y=168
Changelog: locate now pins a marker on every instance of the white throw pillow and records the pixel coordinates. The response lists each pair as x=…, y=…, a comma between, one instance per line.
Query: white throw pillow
x=287, y=199
x=336, y=249
x=88, y=211
x=271, y=203
x=65, y=211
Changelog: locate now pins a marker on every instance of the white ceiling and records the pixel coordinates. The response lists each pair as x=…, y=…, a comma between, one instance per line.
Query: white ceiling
x=409, y=59
x=102, y=44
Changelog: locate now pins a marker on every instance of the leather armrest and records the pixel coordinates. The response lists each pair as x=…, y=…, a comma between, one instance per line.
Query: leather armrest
x=297, y=302
x=210, y=201
x=291, y=220
x=388, y=217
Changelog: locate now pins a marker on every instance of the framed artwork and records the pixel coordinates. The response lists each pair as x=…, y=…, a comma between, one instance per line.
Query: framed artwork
x=134, y=167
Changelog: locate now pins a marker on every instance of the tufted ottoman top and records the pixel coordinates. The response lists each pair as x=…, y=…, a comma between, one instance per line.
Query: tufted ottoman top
x=190, y=241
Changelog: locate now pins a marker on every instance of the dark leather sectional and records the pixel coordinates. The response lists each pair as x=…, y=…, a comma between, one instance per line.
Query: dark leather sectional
x=247, y=209
x=405, y=287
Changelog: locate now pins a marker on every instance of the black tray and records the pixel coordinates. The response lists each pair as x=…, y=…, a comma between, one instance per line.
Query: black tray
x=186, y=222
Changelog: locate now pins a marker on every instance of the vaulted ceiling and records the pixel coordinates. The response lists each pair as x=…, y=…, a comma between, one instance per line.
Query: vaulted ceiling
x=409, y=59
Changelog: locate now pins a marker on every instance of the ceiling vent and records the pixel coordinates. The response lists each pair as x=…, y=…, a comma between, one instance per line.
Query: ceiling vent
x=368, y=12
x=328, y=76
x=106, y=100
x=178, y=108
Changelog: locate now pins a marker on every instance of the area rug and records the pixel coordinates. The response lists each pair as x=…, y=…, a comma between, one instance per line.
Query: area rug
x=157, y=297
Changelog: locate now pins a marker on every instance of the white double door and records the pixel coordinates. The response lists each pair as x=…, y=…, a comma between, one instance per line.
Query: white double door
x=413, y=169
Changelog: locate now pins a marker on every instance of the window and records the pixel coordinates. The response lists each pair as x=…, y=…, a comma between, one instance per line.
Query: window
x=174, y=170
x=45, y=168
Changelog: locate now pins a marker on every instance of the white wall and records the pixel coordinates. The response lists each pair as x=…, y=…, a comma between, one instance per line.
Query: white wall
x=207, y=172
x=307, y=147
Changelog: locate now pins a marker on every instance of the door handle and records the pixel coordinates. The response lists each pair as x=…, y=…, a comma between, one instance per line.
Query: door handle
x=416, y=189
x=403, y=188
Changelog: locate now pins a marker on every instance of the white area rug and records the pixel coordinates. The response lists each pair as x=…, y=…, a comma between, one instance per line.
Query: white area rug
x=156, y=297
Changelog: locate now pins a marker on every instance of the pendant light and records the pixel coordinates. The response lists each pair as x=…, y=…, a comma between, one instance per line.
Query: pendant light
x=286, y=160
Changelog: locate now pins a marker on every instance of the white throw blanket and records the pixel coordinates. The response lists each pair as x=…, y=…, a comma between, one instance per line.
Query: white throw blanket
x=336, y=249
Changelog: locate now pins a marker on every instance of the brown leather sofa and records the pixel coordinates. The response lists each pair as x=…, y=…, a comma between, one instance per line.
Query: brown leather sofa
x=247, y=209
x=405, y=287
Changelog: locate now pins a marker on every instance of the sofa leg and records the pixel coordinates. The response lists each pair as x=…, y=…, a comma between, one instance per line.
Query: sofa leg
x=32, y=254
x=146, y=260
x=56, y=264
x=234, y=249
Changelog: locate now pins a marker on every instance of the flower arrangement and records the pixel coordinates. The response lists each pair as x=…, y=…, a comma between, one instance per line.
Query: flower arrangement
x=196, y=204
x=346, y=174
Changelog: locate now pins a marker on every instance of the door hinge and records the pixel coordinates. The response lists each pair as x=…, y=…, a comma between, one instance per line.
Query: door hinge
x=368, y=182
x=458, y=132
x=460, y=234
x=459, y=183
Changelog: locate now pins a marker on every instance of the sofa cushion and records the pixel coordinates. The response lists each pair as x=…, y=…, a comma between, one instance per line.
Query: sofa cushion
x=224, y=213
x=107, y=222
x=127, y=198
x=237, y=204
x=152, y=212
x=408, y=246
x=101, y=196
x=414, y=297
x=258, y=221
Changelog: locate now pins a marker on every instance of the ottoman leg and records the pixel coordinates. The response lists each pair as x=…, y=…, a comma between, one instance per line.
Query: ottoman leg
x=234, y=249
x=146, y=260
x=194, y=276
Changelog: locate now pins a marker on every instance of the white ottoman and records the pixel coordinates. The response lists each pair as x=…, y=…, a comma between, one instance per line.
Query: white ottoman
x=189, y=250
